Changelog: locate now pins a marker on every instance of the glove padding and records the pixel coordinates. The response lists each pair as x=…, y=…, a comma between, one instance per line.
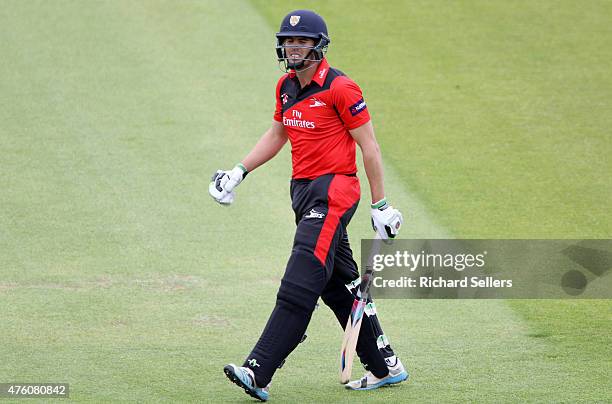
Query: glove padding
x=216, y=188
x=223, y=183
x=386, y=221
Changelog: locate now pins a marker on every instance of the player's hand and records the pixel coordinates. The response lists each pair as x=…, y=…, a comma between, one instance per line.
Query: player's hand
x=236, y=175
x=216, y=188
x=386, y=220
x=223, y=183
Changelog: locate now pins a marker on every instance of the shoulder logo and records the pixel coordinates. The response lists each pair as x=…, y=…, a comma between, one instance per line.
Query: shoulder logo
x=357, y=107
x=294, y=20
x=322, y=73
x=284, y=97
x=314, y=214
x=316, y=103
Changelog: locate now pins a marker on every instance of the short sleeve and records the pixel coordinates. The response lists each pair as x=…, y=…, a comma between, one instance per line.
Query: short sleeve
x=278, y=111
x=349, y=102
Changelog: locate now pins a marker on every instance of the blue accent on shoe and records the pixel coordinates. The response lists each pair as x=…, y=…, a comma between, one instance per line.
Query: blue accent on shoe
x=241, y=378
x=386, y=381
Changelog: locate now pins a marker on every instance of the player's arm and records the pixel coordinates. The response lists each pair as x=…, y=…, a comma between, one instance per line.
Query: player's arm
x=268, y=146
x=372, y=159
x=223, y=182
x=386, y=220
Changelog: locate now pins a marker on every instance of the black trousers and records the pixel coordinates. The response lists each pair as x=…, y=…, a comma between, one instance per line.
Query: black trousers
x=321, y=265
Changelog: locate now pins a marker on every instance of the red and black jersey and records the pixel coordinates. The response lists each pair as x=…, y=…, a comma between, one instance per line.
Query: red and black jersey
x=318, y=118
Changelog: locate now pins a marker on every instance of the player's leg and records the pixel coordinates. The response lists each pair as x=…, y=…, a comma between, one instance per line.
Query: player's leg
x=297, y=296
x=339, y=296
x=307, y=272
x=373, y=348
x=296, y=299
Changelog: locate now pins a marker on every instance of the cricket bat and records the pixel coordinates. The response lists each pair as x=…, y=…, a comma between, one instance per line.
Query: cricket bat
x=353, y=325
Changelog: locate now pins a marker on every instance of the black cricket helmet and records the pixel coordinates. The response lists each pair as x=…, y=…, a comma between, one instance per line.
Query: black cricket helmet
x=306, y=24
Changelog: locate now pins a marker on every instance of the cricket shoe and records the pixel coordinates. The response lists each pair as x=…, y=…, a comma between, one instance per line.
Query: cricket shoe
x=245, y=378
x=397, y=374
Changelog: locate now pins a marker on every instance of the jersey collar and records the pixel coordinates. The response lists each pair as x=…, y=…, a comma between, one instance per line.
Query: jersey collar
x=320, y=75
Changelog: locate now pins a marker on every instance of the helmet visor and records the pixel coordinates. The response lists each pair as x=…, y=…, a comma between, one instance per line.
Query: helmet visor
x=295, y=52
x=308, y=52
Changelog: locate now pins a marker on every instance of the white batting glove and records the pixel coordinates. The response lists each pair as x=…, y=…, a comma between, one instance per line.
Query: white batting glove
x=236, y=175
x=215, y=188
x=223, y=183
x=386, y=220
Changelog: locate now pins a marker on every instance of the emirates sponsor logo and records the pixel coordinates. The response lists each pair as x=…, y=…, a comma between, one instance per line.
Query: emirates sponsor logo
x=296, y=121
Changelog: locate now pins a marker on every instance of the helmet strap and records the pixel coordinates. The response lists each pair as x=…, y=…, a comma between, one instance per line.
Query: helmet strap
x=300, y=66
x=300, y=70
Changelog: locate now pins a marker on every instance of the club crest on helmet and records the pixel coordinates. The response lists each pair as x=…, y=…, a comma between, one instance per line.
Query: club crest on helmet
x=294, y=20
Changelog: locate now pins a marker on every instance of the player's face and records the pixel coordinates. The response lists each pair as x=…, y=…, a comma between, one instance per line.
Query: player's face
x=298, y=49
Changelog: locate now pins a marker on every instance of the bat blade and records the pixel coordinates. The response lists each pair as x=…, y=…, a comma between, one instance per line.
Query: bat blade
x=349, y=341
x=353, y=324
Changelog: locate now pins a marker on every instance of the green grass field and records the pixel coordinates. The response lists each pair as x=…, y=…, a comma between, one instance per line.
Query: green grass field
x=120, y=276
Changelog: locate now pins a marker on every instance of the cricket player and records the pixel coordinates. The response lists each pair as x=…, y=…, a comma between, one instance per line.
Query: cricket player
x=323, y=114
